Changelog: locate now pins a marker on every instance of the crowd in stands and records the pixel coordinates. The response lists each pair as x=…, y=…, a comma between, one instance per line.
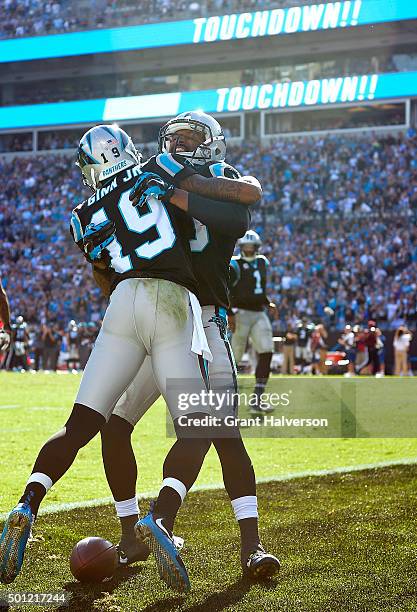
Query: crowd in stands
x=337, y=221
x=37, y=17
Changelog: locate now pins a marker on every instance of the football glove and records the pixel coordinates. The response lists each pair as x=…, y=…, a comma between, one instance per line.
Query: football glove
x=97, y=238
x=5, y=338
x=150, y=184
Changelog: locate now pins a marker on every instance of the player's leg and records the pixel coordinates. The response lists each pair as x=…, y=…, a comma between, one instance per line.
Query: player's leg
x=119, y=459
x=234, y=457
x=177, y=369
x=180, y=472
x=261, y=336
x=116, y=358
x=241, y=334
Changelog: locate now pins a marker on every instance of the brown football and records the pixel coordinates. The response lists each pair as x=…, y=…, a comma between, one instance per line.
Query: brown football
x=93, y=560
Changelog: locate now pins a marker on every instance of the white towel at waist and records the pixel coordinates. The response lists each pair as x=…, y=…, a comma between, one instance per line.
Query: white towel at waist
x=199, y=342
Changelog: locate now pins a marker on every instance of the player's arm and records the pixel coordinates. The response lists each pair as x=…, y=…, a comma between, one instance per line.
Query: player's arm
x=103, y=277
x=229, y=218
x=225, y=185
x=224, y=189
x=93, y=242
x=4, y=308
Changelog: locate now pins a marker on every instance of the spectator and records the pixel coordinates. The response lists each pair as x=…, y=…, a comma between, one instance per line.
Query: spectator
x=319, y=349
x=359, y=267
x=33, y=17
x=288, y=351
x=38, y=347
x=402, y=340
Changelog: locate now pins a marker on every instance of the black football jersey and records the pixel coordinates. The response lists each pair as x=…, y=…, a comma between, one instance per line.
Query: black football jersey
x=151, y=241
x=304, y=331
x=211, y=250
x=20, y=333
x=248, y=283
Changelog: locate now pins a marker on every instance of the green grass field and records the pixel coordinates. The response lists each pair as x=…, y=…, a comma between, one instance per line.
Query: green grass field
x=33, y=407
x=346, y=541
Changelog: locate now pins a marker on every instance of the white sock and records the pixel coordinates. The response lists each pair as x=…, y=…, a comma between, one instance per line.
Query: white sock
x=42, y=479
x=245, y=507
x=177, y=485
x=127, y=507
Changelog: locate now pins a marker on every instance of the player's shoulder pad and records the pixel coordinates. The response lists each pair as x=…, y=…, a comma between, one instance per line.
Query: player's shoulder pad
x=263, y=258
x=172, y=164
x=234, y=262
x=149, y=165
x=223, y=169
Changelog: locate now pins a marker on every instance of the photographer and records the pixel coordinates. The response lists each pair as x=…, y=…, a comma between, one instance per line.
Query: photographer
x=370, y=339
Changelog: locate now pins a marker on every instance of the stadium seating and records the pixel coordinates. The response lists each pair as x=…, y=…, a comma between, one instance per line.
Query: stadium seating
x=337, y=220
x=36, y=17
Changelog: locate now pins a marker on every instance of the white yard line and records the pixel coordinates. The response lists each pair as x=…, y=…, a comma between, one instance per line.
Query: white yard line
x=209, y=487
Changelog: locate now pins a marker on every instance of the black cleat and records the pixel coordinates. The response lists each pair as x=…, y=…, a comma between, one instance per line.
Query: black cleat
x=260, y=565
x=131, y=551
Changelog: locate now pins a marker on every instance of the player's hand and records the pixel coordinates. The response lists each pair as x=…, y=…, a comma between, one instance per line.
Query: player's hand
x=97, y=238
x=150, y=184
x=5, y=338
x=231, y=321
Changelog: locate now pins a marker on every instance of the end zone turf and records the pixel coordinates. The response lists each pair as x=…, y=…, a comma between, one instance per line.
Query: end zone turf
x=346, y=542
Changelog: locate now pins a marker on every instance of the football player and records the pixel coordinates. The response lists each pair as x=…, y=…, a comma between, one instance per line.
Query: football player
x=18, y=353
x=248, y=320
x=303, y=352
x=197, y=138
x=73, y=344
x=153, y=310
x=5, y=330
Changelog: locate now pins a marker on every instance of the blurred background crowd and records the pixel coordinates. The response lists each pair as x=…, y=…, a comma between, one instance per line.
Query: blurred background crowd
x=337, y=221
x=36, y=17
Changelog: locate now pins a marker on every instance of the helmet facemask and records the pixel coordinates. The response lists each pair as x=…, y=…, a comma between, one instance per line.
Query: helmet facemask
x=211, y=148
x=249, y=245
x=249, y=251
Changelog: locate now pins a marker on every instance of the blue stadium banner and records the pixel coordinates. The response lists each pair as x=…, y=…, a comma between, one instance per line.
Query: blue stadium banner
x=275, y=22
x=268, y=96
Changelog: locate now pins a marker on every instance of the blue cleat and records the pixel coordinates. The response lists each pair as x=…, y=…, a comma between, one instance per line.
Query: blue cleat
x=13, y=542
x=151, y=531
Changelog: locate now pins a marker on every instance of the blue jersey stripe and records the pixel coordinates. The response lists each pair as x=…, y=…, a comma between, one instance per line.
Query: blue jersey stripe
x=169, y=164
